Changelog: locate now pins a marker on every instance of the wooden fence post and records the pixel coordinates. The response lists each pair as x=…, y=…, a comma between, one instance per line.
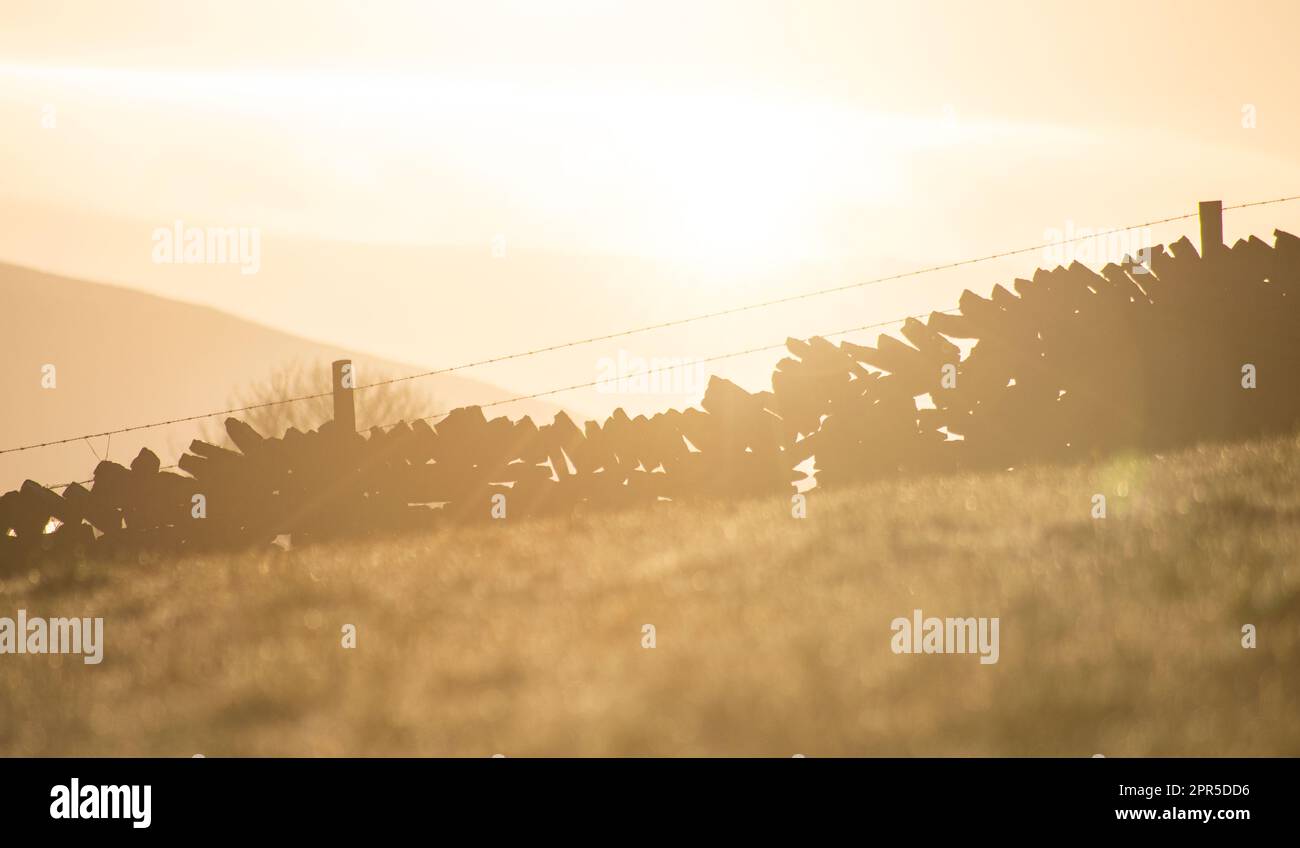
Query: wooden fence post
x=345, y=412
x=1211, y=228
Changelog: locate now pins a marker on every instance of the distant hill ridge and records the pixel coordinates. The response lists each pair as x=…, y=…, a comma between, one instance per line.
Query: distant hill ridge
x=124, y=357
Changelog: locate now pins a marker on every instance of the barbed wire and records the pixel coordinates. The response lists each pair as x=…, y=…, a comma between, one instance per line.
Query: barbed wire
x=645, y=373
x=650, y=371
x=678, y=322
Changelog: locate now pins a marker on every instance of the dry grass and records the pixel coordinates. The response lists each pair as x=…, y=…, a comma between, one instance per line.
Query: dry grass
x=1120, y=636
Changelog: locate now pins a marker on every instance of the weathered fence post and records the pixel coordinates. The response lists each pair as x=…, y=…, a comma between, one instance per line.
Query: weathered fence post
x=345, y=412
x=1211, y=227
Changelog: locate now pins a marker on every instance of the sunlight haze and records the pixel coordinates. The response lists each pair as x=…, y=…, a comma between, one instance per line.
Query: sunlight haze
x=612, y=165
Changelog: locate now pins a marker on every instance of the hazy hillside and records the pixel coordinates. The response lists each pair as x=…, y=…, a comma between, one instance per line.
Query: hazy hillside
x=1118, y=636
x=440, y=303
x=125, y=358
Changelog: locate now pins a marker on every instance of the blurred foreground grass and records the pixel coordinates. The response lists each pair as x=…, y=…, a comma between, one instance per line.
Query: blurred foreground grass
x=1120, y=636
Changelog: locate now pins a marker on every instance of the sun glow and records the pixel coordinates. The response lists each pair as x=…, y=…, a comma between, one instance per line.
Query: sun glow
x=722, y=183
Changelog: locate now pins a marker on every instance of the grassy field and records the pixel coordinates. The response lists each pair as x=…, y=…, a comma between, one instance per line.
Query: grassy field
x=1120, y=636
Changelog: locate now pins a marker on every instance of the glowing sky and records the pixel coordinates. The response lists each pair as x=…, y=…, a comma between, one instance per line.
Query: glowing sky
x=733, y=151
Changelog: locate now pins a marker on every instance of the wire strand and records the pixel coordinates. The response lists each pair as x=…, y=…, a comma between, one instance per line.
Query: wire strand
x=735, y=310
x=647, y=372
x=650, y=371
x=678, y=322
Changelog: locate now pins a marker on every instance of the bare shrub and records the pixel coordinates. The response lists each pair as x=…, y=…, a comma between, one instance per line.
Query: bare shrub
x=381, y=405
